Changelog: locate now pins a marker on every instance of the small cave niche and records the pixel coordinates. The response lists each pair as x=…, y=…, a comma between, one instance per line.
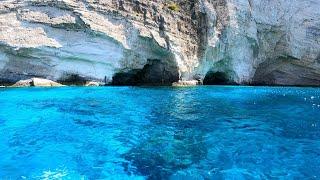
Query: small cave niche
x=216, y=78
x=318, y=58
x=154, y=73
x=129, y=78
x=72, y=79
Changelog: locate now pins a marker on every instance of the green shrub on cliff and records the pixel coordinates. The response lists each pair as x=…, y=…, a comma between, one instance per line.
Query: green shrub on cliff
x=173, y=6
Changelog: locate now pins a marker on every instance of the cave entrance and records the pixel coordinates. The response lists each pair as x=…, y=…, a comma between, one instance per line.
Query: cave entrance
x=73, y=79
x=216, y=78
x=155, y=72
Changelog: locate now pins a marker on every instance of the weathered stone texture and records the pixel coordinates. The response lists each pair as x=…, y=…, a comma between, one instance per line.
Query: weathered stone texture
x=249, y=41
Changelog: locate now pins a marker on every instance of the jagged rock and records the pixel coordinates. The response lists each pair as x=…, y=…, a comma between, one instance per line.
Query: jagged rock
x=92, y=83
x=44, y=83
x=23, y=83
x=38, y=82
x=251, y=41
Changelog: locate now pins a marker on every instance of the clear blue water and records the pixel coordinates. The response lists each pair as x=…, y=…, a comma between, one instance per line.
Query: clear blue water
x=215, y=132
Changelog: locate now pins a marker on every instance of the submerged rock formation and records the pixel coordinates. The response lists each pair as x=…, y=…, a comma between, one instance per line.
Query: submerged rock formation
x=158, y=42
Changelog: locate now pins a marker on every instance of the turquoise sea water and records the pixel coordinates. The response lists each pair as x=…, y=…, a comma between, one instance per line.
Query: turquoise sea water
x=215, y=132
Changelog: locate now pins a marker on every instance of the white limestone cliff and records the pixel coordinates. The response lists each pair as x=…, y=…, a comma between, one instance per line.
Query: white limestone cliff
x=273, y=42
x=264, y=41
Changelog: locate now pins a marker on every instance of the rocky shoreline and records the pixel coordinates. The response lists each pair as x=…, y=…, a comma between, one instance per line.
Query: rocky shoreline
x=41, y=82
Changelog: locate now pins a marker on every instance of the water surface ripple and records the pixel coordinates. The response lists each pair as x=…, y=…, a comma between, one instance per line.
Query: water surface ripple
x=205, y=132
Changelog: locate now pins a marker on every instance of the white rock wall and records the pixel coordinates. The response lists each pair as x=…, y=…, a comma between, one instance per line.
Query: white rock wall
x=251, y=41
x=265, y=42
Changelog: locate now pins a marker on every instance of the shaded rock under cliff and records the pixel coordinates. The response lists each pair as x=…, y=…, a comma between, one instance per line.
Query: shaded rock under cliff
x=73, y=79
x=154, y=72
x=287, y=71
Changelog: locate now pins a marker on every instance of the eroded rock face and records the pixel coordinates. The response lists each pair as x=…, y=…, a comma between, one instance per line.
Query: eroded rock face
x=250, y=41
x=273, y=42
x=91, y=39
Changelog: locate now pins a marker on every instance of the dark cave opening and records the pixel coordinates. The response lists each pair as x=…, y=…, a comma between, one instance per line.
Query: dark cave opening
x=72, y=79
x=155, y=73
x=216, y=78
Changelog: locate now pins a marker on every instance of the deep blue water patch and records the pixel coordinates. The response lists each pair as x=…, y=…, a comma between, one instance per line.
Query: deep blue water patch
x=206, y=132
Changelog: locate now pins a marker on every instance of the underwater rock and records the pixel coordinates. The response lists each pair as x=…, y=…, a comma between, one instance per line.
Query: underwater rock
x=163, y=153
